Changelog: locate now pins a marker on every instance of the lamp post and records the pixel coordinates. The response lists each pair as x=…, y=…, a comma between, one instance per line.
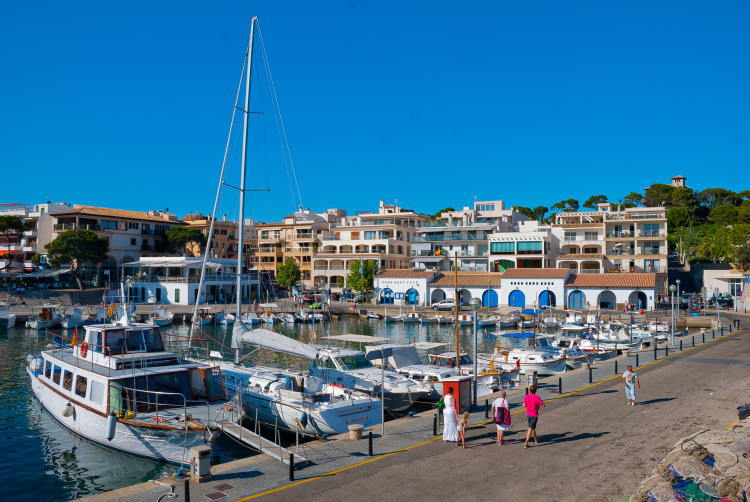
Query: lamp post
x=679, y=302
x=716, y=299
x=672, y=289
x=475, y=303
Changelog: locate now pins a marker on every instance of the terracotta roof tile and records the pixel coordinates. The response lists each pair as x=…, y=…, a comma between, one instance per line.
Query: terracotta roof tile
x=536, y=273
x=468, y=279
x=398, y=273
x=613, y=280
x=120, y=213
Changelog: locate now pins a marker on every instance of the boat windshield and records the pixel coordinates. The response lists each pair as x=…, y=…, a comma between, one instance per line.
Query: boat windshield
x=356, y=362
x=133, y=340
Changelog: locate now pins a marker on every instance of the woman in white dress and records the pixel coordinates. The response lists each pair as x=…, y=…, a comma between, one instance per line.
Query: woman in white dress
x=501, y=416
x=450, y=418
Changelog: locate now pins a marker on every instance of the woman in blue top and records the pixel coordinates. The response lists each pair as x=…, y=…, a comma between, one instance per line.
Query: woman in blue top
x=630, y=379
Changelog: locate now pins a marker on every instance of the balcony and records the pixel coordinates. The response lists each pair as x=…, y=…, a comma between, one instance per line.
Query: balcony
x=590, y=271
x=651, y=233
x=30, y=233
x=624, y=234
x=462, y=237
x=61, y=227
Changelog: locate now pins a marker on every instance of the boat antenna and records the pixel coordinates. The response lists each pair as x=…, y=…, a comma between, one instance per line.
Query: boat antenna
x=457, y=306
x=241, y=233
x=209, y=238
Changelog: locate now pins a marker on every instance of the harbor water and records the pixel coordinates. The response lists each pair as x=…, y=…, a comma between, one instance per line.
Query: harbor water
x=42, y=461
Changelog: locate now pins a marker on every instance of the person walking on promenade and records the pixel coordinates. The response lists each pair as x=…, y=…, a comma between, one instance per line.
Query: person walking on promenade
x=450, y=420
x=501, y=416
x=631, y=380
x=462, y=423
x=532, y=403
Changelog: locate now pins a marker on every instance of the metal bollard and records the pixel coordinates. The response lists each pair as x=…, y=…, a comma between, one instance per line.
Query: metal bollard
x=680, y=345
x=559, y=385
x=486, y=408
x=591, y=374
x=656, y=354
x=704, y=336
x=291, y=467
x=186, y=484
x=434, y=424
x=722, y=330
x=527, y=390
x=693, y=340
x=616, y=372
x=369, y=444
x=637, y=360
x=667, y=351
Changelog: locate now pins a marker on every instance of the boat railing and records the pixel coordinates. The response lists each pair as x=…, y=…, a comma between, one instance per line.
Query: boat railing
x=161, y=406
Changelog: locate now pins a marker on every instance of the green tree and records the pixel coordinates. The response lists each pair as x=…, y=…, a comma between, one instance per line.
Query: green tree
x=10, y=227
x=592, y=201
x=526, y=211
x=659, y=194
x=743, y=212
x=633, y=198
x=539, y=212
x=683, y=196
x=678, y=217
x=566, y=205
x=438, y=213
x=713, y=197
x=745, y=194
x=742, y=257
x=361, y=275
x=724, y=214
x=77, y=247
x=717, y=246
x=181, y=237
x=288, y=273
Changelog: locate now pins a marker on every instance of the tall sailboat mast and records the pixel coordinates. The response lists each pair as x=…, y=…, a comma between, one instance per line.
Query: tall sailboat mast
x=241, y=233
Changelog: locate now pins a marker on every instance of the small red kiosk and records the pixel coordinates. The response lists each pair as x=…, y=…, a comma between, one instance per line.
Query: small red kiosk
x=461, y=386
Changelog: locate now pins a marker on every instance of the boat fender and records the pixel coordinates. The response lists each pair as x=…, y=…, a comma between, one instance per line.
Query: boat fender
x=84, y=349
x=111, y=425
x=68, y=410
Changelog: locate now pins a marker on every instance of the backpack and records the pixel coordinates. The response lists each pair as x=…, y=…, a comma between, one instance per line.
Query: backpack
x=501, y=415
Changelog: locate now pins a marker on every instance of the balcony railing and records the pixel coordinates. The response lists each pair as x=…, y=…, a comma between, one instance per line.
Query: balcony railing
x=590, y=271
x=73, y=226
x=616, y=235
x=651, y=233
x=462, y=237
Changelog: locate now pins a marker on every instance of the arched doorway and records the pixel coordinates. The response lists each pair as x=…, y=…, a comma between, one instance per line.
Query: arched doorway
x=639, y=298
x=464, y=296
x=607, y=300
x=412, y=297
x=489, y=298
x=517, y=299
x=577, y=299
x=437, y=295
x=386, y=296
x=547, y=299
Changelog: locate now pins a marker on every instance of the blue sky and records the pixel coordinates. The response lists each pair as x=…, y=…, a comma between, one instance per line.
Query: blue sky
x=428, y=103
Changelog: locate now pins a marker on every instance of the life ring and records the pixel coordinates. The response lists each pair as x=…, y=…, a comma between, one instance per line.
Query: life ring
x=84, y=349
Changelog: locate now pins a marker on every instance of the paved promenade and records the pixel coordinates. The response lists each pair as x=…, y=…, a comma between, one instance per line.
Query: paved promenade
x=594, y=446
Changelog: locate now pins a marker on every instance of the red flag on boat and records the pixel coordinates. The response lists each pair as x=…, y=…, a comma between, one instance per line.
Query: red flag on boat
x=74, y=340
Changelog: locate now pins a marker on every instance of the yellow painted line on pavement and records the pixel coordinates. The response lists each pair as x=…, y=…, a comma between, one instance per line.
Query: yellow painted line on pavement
x=407, y=448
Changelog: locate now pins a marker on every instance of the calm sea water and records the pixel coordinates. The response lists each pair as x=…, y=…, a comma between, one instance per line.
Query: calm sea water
x=41, y=461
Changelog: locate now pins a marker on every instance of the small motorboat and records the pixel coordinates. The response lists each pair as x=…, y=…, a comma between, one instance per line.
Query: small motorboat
x=250, y=318
x=428, y=320
x=267, y=318
x=285, y=318
x=411, y=317
x=445, y=320
x=225, y=319
x=374, y=315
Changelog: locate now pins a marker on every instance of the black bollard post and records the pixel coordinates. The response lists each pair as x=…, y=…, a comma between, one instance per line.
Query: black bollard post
x=559, y=385
x=369, y=444
x=486, y=408
x=637, y=360
x=616, y=372
x=186, y=484
x=667, y=350
x=291, y=467
x=656, y=354
x=680, y=345
x=527, y=390
x=722, y=330
x=434, y=424
x=704, y=336
x=591, y=374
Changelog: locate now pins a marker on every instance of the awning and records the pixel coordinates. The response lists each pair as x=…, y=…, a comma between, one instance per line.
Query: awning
x=269, y=340
x=172, y=264
x=357, y=338
x=41, y=274
x=428, y=259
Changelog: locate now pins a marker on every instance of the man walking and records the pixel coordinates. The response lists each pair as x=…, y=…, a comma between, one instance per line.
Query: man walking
x=532, y=403
x=630, y=379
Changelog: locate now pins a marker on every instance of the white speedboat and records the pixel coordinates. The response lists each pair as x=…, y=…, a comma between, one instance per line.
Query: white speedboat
x=225, y=318
x=294, y=400
x=486, y=322
x=428, y=320
x=119, y=388
x=489, y=379
x=7, y=319
x=543, y=362
x=373, y=316
x=465, y=319
x=250, y=318
x=267, y=318
x=658, y=327
x=162, y=316
x=445, y=320
x=203, y=318
x=405, y=360
x=411, y=317
x=285, y=318
x=48, y=316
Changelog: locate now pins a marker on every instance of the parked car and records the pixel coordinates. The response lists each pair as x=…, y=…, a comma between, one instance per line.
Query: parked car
x=444, y=305
x=724, y=302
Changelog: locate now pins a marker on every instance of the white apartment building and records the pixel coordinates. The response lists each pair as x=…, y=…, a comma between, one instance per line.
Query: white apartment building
x=462, y=237
x=384, y=236
x=626, y=241
x=533, y=246
x=17, y=251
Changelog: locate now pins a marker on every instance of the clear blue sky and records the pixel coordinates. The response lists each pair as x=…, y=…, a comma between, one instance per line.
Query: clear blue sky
x=429, y=103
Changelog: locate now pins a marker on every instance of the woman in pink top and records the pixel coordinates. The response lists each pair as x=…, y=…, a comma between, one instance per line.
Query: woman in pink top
x=532, y=403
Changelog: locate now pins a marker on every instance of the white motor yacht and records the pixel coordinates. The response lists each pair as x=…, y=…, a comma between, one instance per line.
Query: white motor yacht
x=7, y=319
x=48, y=316
x=162, y=316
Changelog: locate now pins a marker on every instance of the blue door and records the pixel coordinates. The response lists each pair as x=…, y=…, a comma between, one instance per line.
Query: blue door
x=547, y=299
x=412, y=297
x=489, y=298
x=517, y=299
x=386, y=296
x=577, y=300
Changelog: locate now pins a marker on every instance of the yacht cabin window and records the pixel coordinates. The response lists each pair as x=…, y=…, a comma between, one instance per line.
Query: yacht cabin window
x=81, y=383
x=48, y=369
x=356, y=362
x=67, y=380
x=56, y=375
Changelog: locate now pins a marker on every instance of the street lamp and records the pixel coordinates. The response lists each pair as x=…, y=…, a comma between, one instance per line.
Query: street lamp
x=716, y=299
x=679, y=301
x=672, y=289
x=475, y=303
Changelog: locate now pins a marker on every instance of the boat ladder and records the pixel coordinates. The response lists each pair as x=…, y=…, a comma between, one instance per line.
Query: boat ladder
x=258, y=442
